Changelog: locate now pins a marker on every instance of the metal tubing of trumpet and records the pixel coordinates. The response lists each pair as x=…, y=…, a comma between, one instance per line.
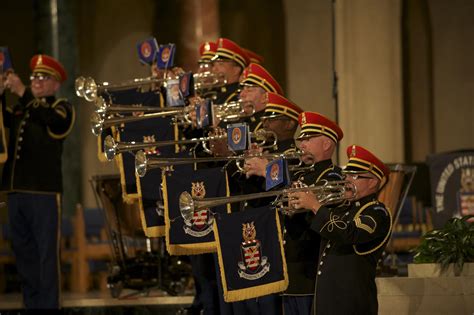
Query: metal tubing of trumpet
x=188, y=204
x=117, y=108
x=113, y=148
x=92, y=89
x=98, y=123
x=143, y=163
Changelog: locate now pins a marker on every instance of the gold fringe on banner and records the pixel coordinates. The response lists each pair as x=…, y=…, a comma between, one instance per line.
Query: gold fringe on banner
x=256, y=291
x=127, y=198
x=150, y=231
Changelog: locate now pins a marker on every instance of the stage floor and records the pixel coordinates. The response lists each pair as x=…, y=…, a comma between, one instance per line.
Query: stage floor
x=104, y=299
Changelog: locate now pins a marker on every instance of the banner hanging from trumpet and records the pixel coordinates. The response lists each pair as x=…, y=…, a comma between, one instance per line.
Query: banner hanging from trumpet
x=250, y=253
x=125, y=97
x=193, y=235
x=150, y=201
x=156, y=129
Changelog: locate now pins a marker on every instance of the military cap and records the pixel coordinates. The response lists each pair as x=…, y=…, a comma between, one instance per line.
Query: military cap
x=362, y=160
x=253, y=56
x=49, y=65
x=207, y=50
x=228, y=50
x=256, y=75
x=278, y=106
x=314, y=124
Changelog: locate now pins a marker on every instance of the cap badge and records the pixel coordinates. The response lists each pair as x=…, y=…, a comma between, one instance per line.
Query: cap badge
x=353, y=152
x=207, y=47
x=40, y=60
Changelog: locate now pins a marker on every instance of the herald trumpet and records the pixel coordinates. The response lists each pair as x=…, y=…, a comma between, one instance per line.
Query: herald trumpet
x=207, y=80
x=112, y=148
x=99, y=122
x=327, y=192
x=90, y=90
x=105, y=108
x=143, y=163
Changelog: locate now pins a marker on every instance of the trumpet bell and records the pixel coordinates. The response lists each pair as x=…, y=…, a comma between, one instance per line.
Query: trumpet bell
x=90, y=89
x=110, y=148
x=79, y=86
x=186, y=205
x=97, y=123
x=141, y=162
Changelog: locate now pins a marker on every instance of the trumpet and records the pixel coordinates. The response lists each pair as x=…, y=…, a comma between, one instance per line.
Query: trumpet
x=90, y=90
x=112, y=148
x=99, y=122
x=327, y=192
x=144, y=163
x=208, y=80
x=105, y=108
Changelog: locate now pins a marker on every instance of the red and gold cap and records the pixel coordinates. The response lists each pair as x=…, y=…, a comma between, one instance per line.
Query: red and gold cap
x=207, y=51
x=362, y=160
x=49, y=65
x=227, y=49
x=314, y=124
x=253, y=56
x=278, y=106
x=256, y=75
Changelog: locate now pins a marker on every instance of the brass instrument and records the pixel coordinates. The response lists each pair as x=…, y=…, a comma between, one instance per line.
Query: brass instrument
x=207, y=80
x=99, y=123
x=233, y=111
x=226, y=112
x=144, y=163
x=112, y=148
x=105, y=108
x=327, y=192
x=90, y=90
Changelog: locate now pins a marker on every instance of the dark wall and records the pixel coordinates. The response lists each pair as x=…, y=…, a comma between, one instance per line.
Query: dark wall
x=260, y=28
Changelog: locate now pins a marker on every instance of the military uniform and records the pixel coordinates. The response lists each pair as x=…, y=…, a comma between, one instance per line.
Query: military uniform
x=301, y=242
x=32, y=176
x=353, y=238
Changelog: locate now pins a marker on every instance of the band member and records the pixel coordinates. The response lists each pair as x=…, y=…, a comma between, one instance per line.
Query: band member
x=38, y=124
x=229, y=61
x=280, y=117
x=353, y=238
x=318, y=139
x=256, y=82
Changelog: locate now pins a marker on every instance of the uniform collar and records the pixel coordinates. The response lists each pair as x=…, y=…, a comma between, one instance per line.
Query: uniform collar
x=322, y=165
x=364, y=200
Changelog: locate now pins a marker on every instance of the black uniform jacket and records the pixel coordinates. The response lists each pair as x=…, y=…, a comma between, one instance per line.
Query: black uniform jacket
x=301, y=242
x=37, y=131
x=353, y=237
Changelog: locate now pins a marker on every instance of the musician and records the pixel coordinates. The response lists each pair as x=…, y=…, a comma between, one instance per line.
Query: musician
x=256, y=82
x=281, y=117
x=353, y=238
x=229, y=61
x=318, y=139
x=38, y=124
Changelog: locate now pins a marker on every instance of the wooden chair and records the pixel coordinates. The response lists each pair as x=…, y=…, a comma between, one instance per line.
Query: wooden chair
x=91, y=245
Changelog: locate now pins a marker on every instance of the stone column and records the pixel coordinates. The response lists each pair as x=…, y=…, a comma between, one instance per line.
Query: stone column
x=56, y=36
x=200, y=22
x=368, y=51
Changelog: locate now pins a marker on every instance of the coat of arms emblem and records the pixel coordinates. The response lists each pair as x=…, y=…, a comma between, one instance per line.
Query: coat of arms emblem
x=253, y=265
x=201, y=223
